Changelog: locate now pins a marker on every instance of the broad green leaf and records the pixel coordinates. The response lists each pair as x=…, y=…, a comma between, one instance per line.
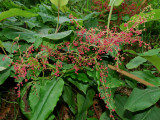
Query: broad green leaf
x=68, y=98
x=120, y=102
x=130, y=51
x=63, y=19
x=115, y=2
x=28, y=36
x=37, y=42
x=150, y=52
x=112, y=82
x=51, y=117
x=134, y=63
x=49, y=96
x=31, y=24
x=150, y=16
x=4, y=74
x=81, y=86
x=83, y=77
x=15, y=12
x=84, y=103
x=59, y=3
x=148, y=114
x=105, y=116
x=10, y=47
x=67, y=66
x=57, y=36
x=142, y=99
x=87, y=17
x=46, y=17
x=5, y=61
x=14, y=27
x=147, y=76
x=34, y=95
x=154, y=60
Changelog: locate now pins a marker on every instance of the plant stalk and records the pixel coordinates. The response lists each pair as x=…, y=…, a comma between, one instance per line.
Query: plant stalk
x=130, y=75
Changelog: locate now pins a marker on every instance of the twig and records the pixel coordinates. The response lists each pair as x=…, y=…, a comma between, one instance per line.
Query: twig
x=130, y=75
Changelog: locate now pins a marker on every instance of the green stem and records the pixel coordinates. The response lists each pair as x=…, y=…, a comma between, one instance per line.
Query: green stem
x=58, y=16
x=109, y=17
x=87, y=4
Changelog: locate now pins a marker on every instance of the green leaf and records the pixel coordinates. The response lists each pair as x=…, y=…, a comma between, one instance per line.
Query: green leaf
x=10, y=47
x=148, y=114
x=142, y=99
x=87, y=17
x=112, y=82
x=51, y=117
x=46, y=17
x=16, y=12
x=147, y=76
x=105, y=116
x=115, y=2
x=4, y=74
x=150, y=52
x=57, y=36
x=68, y=98
x=34, y=95
x=119, y=103
x=59, y=3
x=134, y=63
x=5, y=61
x=84, y=103
x=154, y=60
x=150, y=16
x=38, y=41
x=49, y=96
x=81, y=86
x=83, y=77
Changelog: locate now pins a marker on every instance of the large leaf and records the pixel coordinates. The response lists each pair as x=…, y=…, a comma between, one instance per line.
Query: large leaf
x=4, y=75
x=148, y=114
x=46, y=17
x=115, y=2
x=154, y=60
x=81, y=86
x=150, y=16
x=15, y=12
x=57, y=36
x=142, y=99
x=120, y=102
x=134, y=63
x=34, y=95
x=10, y=47
x=49, y=96
x=105, y=116
x=150, y=52
x=113, y=82
x=83, y=103
x=68, y=98
x=5, y=61
x=59, y=3
x=147, y=76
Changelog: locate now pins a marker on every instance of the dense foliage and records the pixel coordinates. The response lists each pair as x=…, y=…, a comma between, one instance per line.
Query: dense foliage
x=79, y=54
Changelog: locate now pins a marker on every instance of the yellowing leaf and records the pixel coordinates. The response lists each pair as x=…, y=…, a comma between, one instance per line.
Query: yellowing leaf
x=59, y=3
